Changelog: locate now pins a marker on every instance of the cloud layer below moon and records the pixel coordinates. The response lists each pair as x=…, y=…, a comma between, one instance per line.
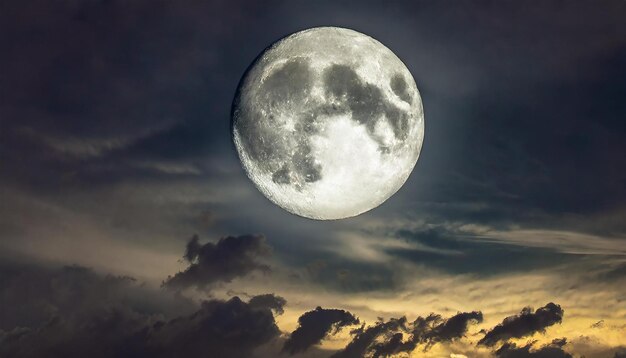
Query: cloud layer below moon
x=75, y=311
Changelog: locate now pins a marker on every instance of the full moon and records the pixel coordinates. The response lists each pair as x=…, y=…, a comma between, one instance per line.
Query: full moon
x=328, y=123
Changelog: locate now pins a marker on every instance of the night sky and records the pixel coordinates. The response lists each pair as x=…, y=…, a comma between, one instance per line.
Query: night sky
x=128, y=227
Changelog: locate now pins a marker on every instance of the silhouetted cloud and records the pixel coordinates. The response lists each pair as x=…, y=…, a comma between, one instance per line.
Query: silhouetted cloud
x=430, y=330
x=449, y=329
x=524, y=324
x=427, y=330
x=391, y=346
x=551, y=350
x=315, y=325
x=365, y=337
x=269, y=300
x=229, y=258
x=230, y=328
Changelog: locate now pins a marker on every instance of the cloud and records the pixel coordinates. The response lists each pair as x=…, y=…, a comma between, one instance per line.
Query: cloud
x=32, y=296
x=597, y=346
x=551, y=350
x=430, y=330
x=229, y=258
x=230, y=328
x=524, y=324
x=427, y=330
x=365, y=337
x=315, y=325
x=268, y=300
x=449, y=329
x=75, y=312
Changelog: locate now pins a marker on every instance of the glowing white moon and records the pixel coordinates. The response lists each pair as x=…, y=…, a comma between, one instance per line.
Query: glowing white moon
x=328, y=123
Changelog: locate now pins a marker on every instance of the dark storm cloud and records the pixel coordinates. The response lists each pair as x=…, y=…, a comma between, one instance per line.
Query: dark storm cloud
x=74, y=312
x=552, y=350
x=229, y=258
x=315, y=325
x=524, y=324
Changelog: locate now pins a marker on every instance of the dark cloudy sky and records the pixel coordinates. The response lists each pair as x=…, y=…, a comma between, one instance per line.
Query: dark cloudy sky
x=128, y=227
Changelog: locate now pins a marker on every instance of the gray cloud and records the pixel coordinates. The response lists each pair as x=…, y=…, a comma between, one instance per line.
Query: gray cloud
x=268, y=300
x=229, y=258
x=32, y=296
x=315, y=325
x=524, y=324
x=75, y=312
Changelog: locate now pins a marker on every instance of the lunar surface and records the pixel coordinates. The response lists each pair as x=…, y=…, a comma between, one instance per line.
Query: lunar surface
x=328, y=123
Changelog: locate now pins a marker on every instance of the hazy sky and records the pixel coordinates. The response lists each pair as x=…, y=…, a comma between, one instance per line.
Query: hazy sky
x=115, y=151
